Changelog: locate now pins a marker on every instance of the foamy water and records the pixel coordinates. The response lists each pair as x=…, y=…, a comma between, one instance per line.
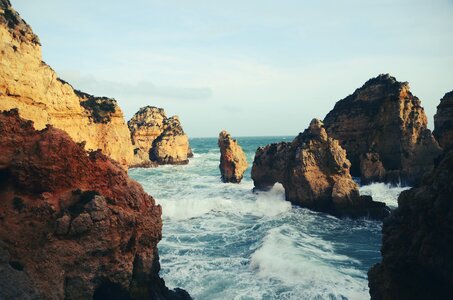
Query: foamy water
x=222, y=241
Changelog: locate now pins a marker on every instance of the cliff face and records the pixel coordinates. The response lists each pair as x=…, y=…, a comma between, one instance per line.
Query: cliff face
x=157, y=139
x=383, y=129
x=417, y=245
x=73, y=225
x=30, y=85
x=314, y=171
x=443, y=122
x=233, y=161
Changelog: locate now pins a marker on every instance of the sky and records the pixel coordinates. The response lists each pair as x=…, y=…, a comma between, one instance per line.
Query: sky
x=252, y=67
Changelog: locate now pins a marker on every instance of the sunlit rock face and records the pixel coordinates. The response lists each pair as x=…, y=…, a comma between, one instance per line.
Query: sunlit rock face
x=158, y=140
x=233, y=161
x=31, y=86
x=443, y=122
x=73, y=224
x=383, y=128
x=314, y=171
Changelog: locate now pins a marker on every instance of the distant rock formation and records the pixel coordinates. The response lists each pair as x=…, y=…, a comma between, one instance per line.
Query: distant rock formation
x=158, y=140
x=383, y=128
x=314, y=171
x=233, y=161
x=417, y=246
x=73, y=224
x=443, y=122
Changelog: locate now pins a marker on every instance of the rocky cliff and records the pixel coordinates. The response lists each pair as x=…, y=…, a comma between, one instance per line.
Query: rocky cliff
x=30, y=85
x=233, y=161
x=158, y=139
x=314, y=171
x=443, y=122
x=383, y=128
x=73, y=225
x=417, y=244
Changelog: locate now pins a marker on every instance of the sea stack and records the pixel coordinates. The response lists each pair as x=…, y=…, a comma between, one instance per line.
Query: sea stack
x=417, y=243
x=156, y=139
x=383, y=128
x=233, y=161
x=73, y=224
x=443, y=122
x=31, y=86
x=314, y=171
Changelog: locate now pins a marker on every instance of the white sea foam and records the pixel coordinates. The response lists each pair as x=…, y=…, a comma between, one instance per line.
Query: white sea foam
x=383, y=192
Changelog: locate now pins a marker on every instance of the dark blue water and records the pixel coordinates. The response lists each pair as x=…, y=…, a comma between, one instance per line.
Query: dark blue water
x=222, y=241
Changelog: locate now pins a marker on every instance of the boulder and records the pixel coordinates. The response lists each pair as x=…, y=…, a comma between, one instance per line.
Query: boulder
x=383, y=128
x=417, y=242
x=233, y=161
x=31, y=86
x=73, y=224
x=314, y=171
x=158, y=139
x=443, y=122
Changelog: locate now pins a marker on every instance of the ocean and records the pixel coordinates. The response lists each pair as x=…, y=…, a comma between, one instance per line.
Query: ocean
x=223, y=241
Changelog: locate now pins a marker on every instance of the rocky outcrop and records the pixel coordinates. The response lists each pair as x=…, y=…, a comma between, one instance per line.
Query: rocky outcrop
x=417, y=244
x=383, y=129
x=314, y=171
x=30, y=85
x=233, y=161
x=73, y=225
x=157, y=139
x=443, y=122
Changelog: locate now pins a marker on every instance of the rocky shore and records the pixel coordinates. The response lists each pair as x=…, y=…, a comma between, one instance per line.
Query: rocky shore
x=314, y=171
x=158, y=140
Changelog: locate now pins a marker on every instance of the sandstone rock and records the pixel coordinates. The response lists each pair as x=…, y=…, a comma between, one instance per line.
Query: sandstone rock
x=73, y=224
x=151, y=123
x=443, y=122
x=417, y=244
x=383, y=126
x=172, y=146
x=233, y=161
x=30, y=85
x=314, y=171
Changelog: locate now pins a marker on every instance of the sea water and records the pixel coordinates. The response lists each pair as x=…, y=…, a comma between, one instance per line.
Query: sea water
x=223, y=241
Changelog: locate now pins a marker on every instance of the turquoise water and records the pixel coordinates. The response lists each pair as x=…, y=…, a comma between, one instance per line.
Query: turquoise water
x=222, y=241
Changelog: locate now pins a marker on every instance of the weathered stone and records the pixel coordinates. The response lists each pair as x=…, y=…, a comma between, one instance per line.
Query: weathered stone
x=31, y=86
x=443, y=122
x=417, y=243
x=233, y=161
x=157, y=139
x=384, y=118
x=314, y=171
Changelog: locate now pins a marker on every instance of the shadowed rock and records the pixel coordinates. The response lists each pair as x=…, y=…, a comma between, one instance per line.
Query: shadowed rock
x=233, y=161
x=314, y=171
x=443, y=122
x=417, y=243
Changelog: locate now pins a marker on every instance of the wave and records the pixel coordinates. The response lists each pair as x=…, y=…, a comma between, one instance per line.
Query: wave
x=383, y=192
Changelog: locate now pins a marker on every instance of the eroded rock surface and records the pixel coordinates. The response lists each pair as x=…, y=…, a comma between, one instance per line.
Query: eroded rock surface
x=383, y=128
x=443, y=122
x=157, y=139
x=417, y=244
x=314, y=171
x=233, y=161
x=30, y=85
x=73, y=225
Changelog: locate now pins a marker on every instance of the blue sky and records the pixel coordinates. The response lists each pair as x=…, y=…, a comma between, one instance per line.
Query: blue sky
x=254, y=67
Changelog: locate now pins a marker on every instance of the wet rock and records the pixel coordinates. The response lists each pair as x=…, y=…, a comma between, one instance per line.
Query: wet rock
x=382, y=126
x=233, y=161
x=314, y=171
